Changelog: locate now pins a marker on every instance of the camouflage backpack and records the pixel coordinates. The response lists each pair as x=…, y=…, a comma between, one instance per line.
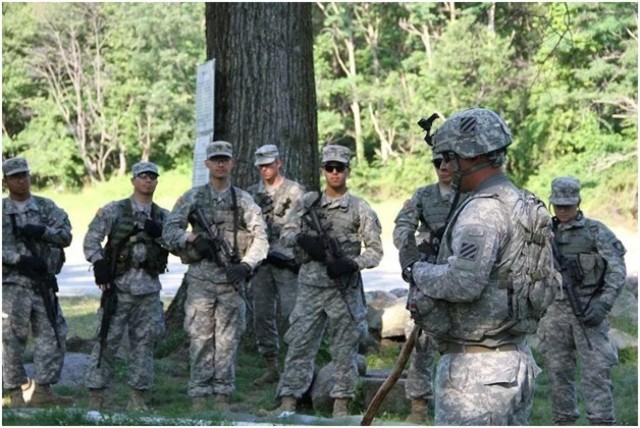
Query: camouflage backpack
x=528, y=272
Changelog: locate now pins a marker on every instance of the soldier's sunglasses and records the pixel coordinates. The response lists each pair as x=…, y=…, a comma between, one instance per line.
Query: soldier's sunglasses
x=338, y=167
x=437, y=163
x=150, y=175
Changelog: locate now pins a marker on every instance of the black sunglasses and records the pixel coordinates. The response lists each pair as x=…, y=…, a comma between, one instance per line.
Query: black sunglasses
x=437, y=163
x=338, y=167
x=145, y=175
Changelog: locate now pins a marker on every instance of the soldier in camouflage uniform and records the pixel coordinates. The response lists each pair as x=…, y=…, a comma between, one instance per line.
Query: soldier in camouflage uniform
x=600, y=256
x=214, y=308
x=275, y=282
x=131, y=261
x=34, y=232
x=425, y=213
x=329, y=288
x=486, y=373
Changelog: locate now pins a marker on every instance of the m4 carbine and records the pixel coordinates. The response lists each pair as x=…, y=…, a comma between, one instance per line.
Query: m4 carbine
x=571, y=276
x=224, y=254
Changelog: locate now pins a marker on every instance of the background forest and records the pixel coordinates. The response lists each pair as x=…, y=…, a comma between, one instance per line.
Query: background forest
x=90, y=88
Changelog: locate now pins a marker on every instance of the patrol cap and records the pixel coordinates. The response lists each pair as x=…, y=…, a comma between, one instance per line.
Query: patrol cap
x=565, y=191
x=335, y=153
x=141, y=167
x=266, y=154
x=219, y=148
x=14, y=166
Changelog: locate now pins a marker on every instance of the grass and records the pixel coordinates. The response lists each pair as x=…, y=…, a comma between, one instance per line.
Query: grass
x=173, y=407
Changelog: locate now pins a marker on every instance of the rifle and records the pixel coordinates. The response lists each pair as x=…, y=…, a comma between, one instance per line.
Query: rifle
x=109, y=297
x=571, y=275
x=223, y=251
x=46, y=285
x=334, y=253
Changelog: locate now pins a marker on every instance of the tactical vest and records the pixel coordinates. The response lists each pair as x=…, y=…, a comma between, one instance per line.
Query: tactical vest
x=522, y=283
x=579, y=243
x=433, y=210
x=227, y=218
x=342, y=223
x=125, y=236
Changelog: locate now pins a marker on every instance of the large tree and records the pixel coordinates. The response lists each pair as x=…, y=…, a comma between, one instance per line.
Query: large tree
x=264, y=94
x=264, y=84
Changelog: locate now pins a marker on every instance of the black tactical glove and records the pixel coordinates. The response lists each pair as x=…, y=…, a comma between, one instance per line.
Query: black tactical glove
x=313, y=245
x=102, y=272
x=31, y=265
x=152, y=228
x=279, y=260
x=596, y=314
x=238, y=272
x=204, y=247
x=341, y=266
x=408, y=254
x=34, y=231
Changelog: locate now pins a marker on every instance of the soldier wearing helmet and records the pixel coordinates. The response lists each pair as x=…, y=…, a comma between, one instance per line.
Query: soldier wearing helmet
x=486, y=373
x=600, y=257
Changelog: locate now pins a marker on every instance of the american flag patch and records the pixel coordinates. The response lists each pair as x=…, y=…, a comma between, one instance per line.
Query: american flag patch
x=468, y=251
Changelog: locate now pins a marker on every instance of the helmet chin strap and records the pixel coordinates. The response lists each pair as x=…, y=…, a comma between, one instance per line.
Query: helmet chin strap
x=459, y=173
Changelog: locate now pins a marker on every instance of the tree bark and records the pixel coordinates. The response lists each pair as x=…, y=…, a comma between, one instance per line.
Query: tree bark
x=264, y=85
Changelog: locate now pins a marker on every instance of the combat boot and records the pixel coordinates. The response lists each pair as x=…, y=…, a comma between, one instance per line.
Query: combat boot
x=136, y=400
x=221, y=402
x=418, y=415
x=15, y=395
x=271, y=374
x=96, y=398
x=287, y=404
x=199, y=404
x=340, y=408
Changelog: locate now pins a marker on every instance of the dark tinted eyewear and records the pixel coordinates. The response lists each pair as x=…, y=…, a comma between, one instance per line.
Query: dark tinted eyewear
x=340, y=167
x=149, y=175
x=437, y=163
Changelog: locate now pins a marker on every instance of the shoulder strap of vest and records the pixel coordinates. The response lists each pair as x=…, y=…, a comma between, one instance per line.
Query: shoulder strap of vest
x=234, y=202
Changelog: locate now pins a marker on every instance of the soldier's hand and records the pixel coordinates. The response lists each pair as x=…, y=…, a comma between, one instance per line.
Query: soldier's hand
x=29, y=265
x=313, y=245
x=152, y=228
x=102, y=272
x=204, y=247
x=596, y=314
x=342, y=266
x=34, y=231
x=238, y=272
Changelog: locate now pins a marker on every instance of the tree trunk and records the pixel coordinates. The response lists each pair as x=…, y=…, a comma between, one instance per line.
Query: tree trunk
x=264, y=85
x=264, y=94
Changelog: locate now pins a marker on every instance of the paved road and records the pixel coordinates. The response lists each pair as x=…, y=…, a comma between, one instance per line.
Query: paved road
x=77, y=280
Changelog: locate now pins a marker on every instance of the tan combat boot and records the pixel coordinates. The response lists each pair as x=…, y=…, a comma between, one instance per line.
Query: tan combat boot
x=271, y=374
x=199, y=404
x=96, y=398
x=221, y=402
x=15, y=395
x=136, y=400
x=340, y=408
x=287, y=404
x=418, y=413
x=43, y=395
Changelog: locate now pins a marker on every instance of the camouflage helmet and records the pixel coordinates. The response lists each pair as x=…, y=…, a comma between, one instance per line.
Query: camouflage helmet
x=435, y=156
x=472, y=132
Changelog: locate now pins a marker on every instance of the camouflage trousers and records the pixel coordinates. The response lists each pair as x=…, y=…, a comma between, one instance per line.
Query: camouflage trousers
x=563, y=346
x=274, y=289
x=215, y=321
x=315, y=309
x=142, y=318
x=489, y=388
x=421, y=367
x=23, y=308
